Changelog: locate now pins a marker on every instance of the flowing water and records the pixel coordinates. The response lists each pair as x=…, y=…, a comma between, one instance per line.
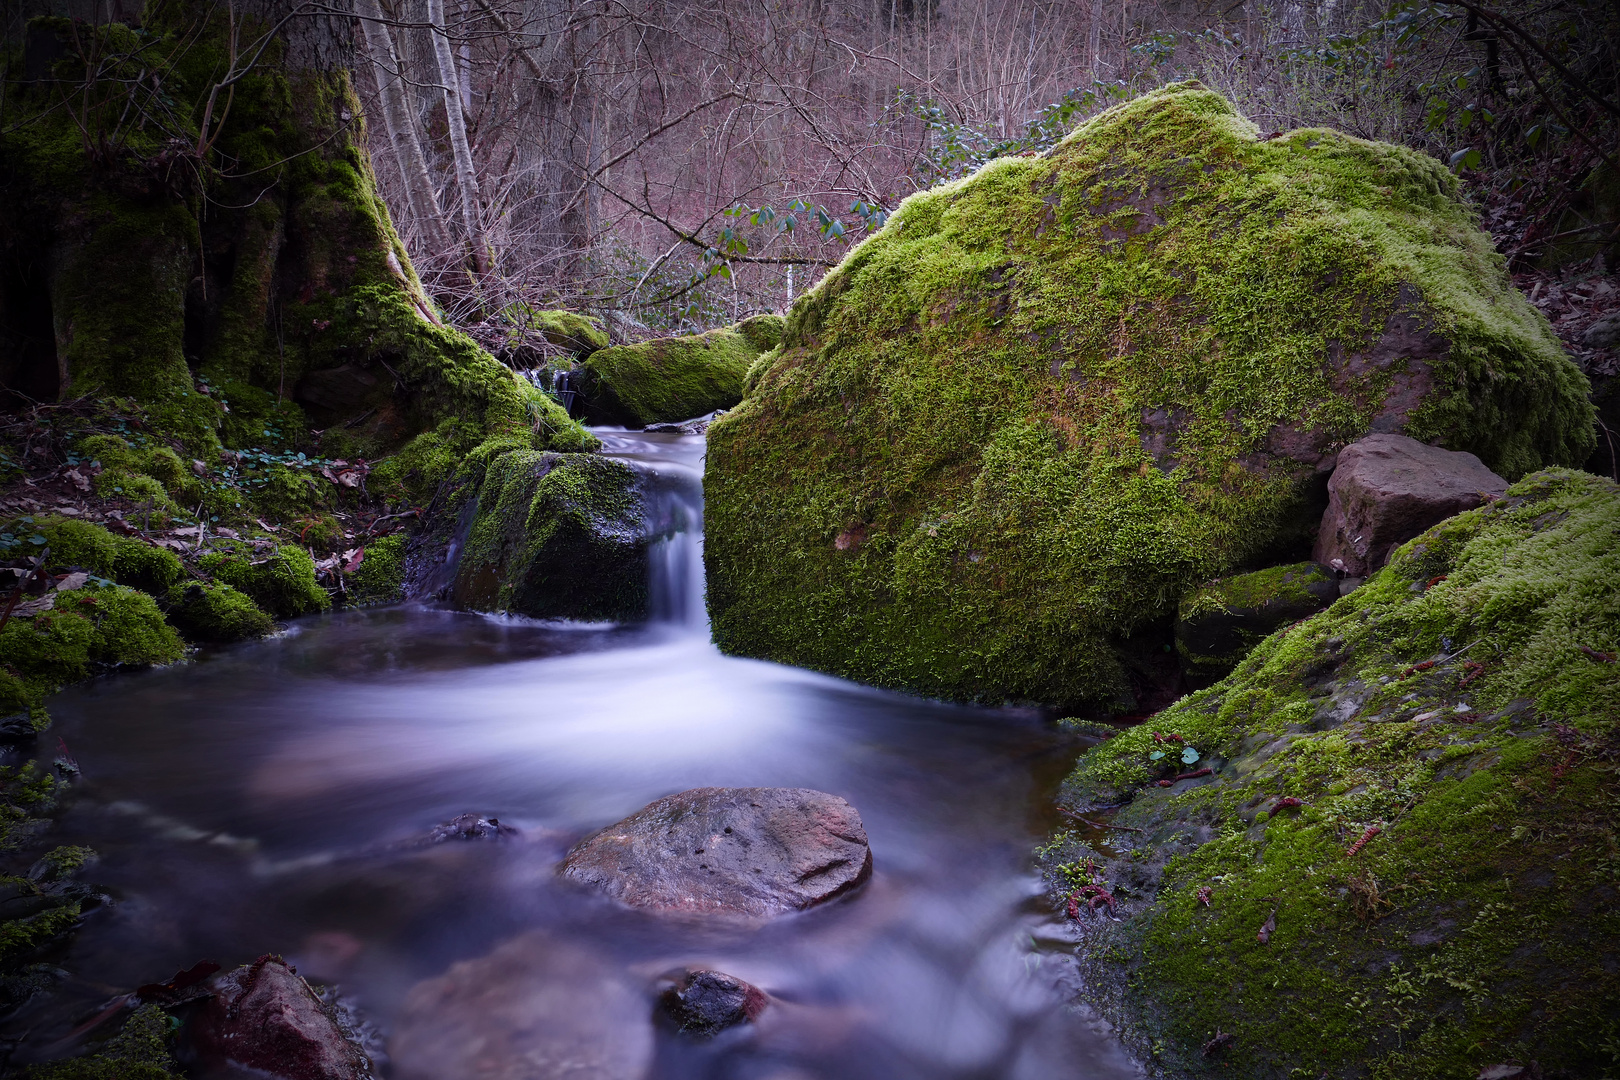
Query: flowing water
x=273, y=797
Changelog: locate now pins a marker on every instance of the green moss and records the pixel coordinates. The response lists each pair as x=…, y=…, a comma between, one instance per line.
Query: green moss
x=282, y=583
x=1468, y=931
x=764, y=332
x=140, y=1051
x=556, y=536
x=216, y=613
x=570, y=330
x=1024, y=418
x=86, y=630
x=671, y=379
x=1219, y=623
x=380, y=578
x=128, y=560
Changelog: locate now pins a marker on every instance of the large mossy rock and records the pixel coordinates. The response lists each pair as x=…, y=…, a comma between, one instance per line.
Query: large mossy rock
x=556, y=536
x=1465, y=702
x=675, y=378
x=1021, y=420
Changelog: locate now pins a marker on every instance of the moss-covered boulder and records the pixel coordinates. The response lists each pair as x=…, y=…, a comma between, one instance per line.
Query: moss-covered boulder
x=676, y=378
x=1385, y=845
x=557, y=536
x=1218, y=623
x=84, y=631
x=1021, y=420
x=282, y=582
x=216, y=613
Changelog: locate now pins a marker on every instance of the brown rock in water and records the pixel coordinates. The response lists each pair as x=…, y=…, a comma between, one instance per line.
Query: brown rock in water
x=756, y=852
x=263, y=1016
x=534, y=1009
x=1387, y=489
x=704, y=1002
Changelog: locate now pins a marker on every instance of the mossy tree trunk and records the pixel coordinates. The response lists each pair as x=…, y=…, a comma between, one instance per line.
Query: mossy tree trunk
x=192, y=199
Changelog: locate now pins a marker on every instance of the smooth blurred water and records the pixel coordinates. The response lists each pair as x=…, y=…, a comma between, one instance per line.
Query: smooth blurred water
x=266, y=798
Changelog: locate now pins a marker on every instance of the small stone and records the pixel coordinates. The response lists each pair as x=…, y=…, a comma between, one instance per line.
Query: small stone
x=754, y=852
x=470, y=827
x=1387, y=489
x=1603, y=334
x=263, y=1016
x=704, y=1002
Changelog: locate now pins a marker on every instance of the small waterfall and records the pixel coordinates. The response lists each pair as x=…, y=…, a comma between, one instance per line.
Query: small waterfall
x=672, y=468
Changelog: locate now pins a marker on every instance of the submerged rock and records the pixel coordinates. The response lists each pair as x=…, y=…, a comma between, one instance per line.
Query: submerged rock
x=1387, y=489
x=673, y=379
x=755, y=852
x=704, y=1002
x=559, y=536
x=534, y=1009
x=1398, y=788
x=1019, y=422
x=1219, y=623
x=263, y=1016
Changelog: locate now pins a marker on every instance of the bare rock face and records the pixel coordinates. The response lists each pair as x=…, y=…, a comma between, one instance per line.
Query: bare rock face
x=264, y=1017
x=755, y=852
x=704, y=1002
x=1387, y=489
x=534, y=1009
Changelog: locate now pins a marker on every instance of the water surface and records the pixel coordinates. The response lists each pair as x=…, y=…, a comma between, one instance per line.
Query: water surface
x=271, y=797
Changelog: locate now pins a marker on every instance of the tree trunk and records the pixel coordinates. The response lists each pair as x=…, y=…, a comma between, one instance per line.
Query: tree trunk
x=402, y=136
x=241, y=282
x=466, y=174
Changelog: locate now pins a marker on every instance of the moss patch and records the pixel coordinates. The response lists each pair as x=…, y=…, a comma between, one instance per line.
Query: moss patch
x=85, y=631
x=672, y=379
x=1021, y=420
x=1473, y=721
x=556, y=536
x=380, y=578
x=1219, y=623
x=140, y=1051
x=216, y=613
x=92, y=547
x=282, y=583
x=569, y=330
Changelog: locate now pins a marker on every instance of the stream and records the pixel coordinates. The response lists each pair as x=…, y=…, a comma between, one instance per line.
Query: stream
x=275, y=796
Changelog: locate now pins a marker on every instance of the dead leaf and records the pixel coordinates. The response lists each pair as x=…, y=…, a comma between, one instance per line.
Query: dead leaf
x=174, y=545
x=266, y=526
x=70, y=511
x=77, y=479
x=29, y=608
x=72, y=581
x=229, y=534
x=188, y=530
x=352, y=559
x=349, y=478
x=1269, y=928
x=199, y=467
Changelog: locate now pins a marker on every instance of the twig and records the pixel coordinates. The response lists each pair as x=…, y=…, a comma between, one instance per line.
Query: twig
x=1097, y=824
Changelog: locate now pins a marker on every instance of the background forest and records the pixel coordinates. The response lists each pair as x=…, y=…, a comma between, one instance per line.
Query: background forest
x=681, y=165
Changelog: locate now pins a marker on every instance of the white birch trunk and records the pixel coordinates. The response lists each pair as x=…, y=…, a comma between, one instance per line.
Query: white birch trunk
x=466, y=175
x=402, y=136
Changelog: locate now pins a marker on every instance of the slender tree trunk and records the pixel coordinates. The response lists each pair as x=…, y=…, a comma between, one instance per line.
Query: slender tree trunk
x=466, y=175
x=402, y=136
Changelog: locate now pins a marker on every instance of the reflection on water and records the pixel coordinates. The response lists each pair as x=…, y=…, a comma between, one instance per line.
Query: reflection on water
x=270, y=796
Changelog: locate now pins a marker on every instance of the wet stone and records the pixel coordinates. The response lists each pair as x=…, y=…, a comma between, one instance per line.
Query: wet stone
x=470, y=827
x=264, y=1017
x=753, y=852
x=704, y=1002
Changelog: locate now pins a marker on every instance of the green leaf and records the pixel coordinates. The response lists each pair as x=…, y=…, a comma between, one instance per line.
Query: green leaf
x=1189, y=756
x=1156, y=755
